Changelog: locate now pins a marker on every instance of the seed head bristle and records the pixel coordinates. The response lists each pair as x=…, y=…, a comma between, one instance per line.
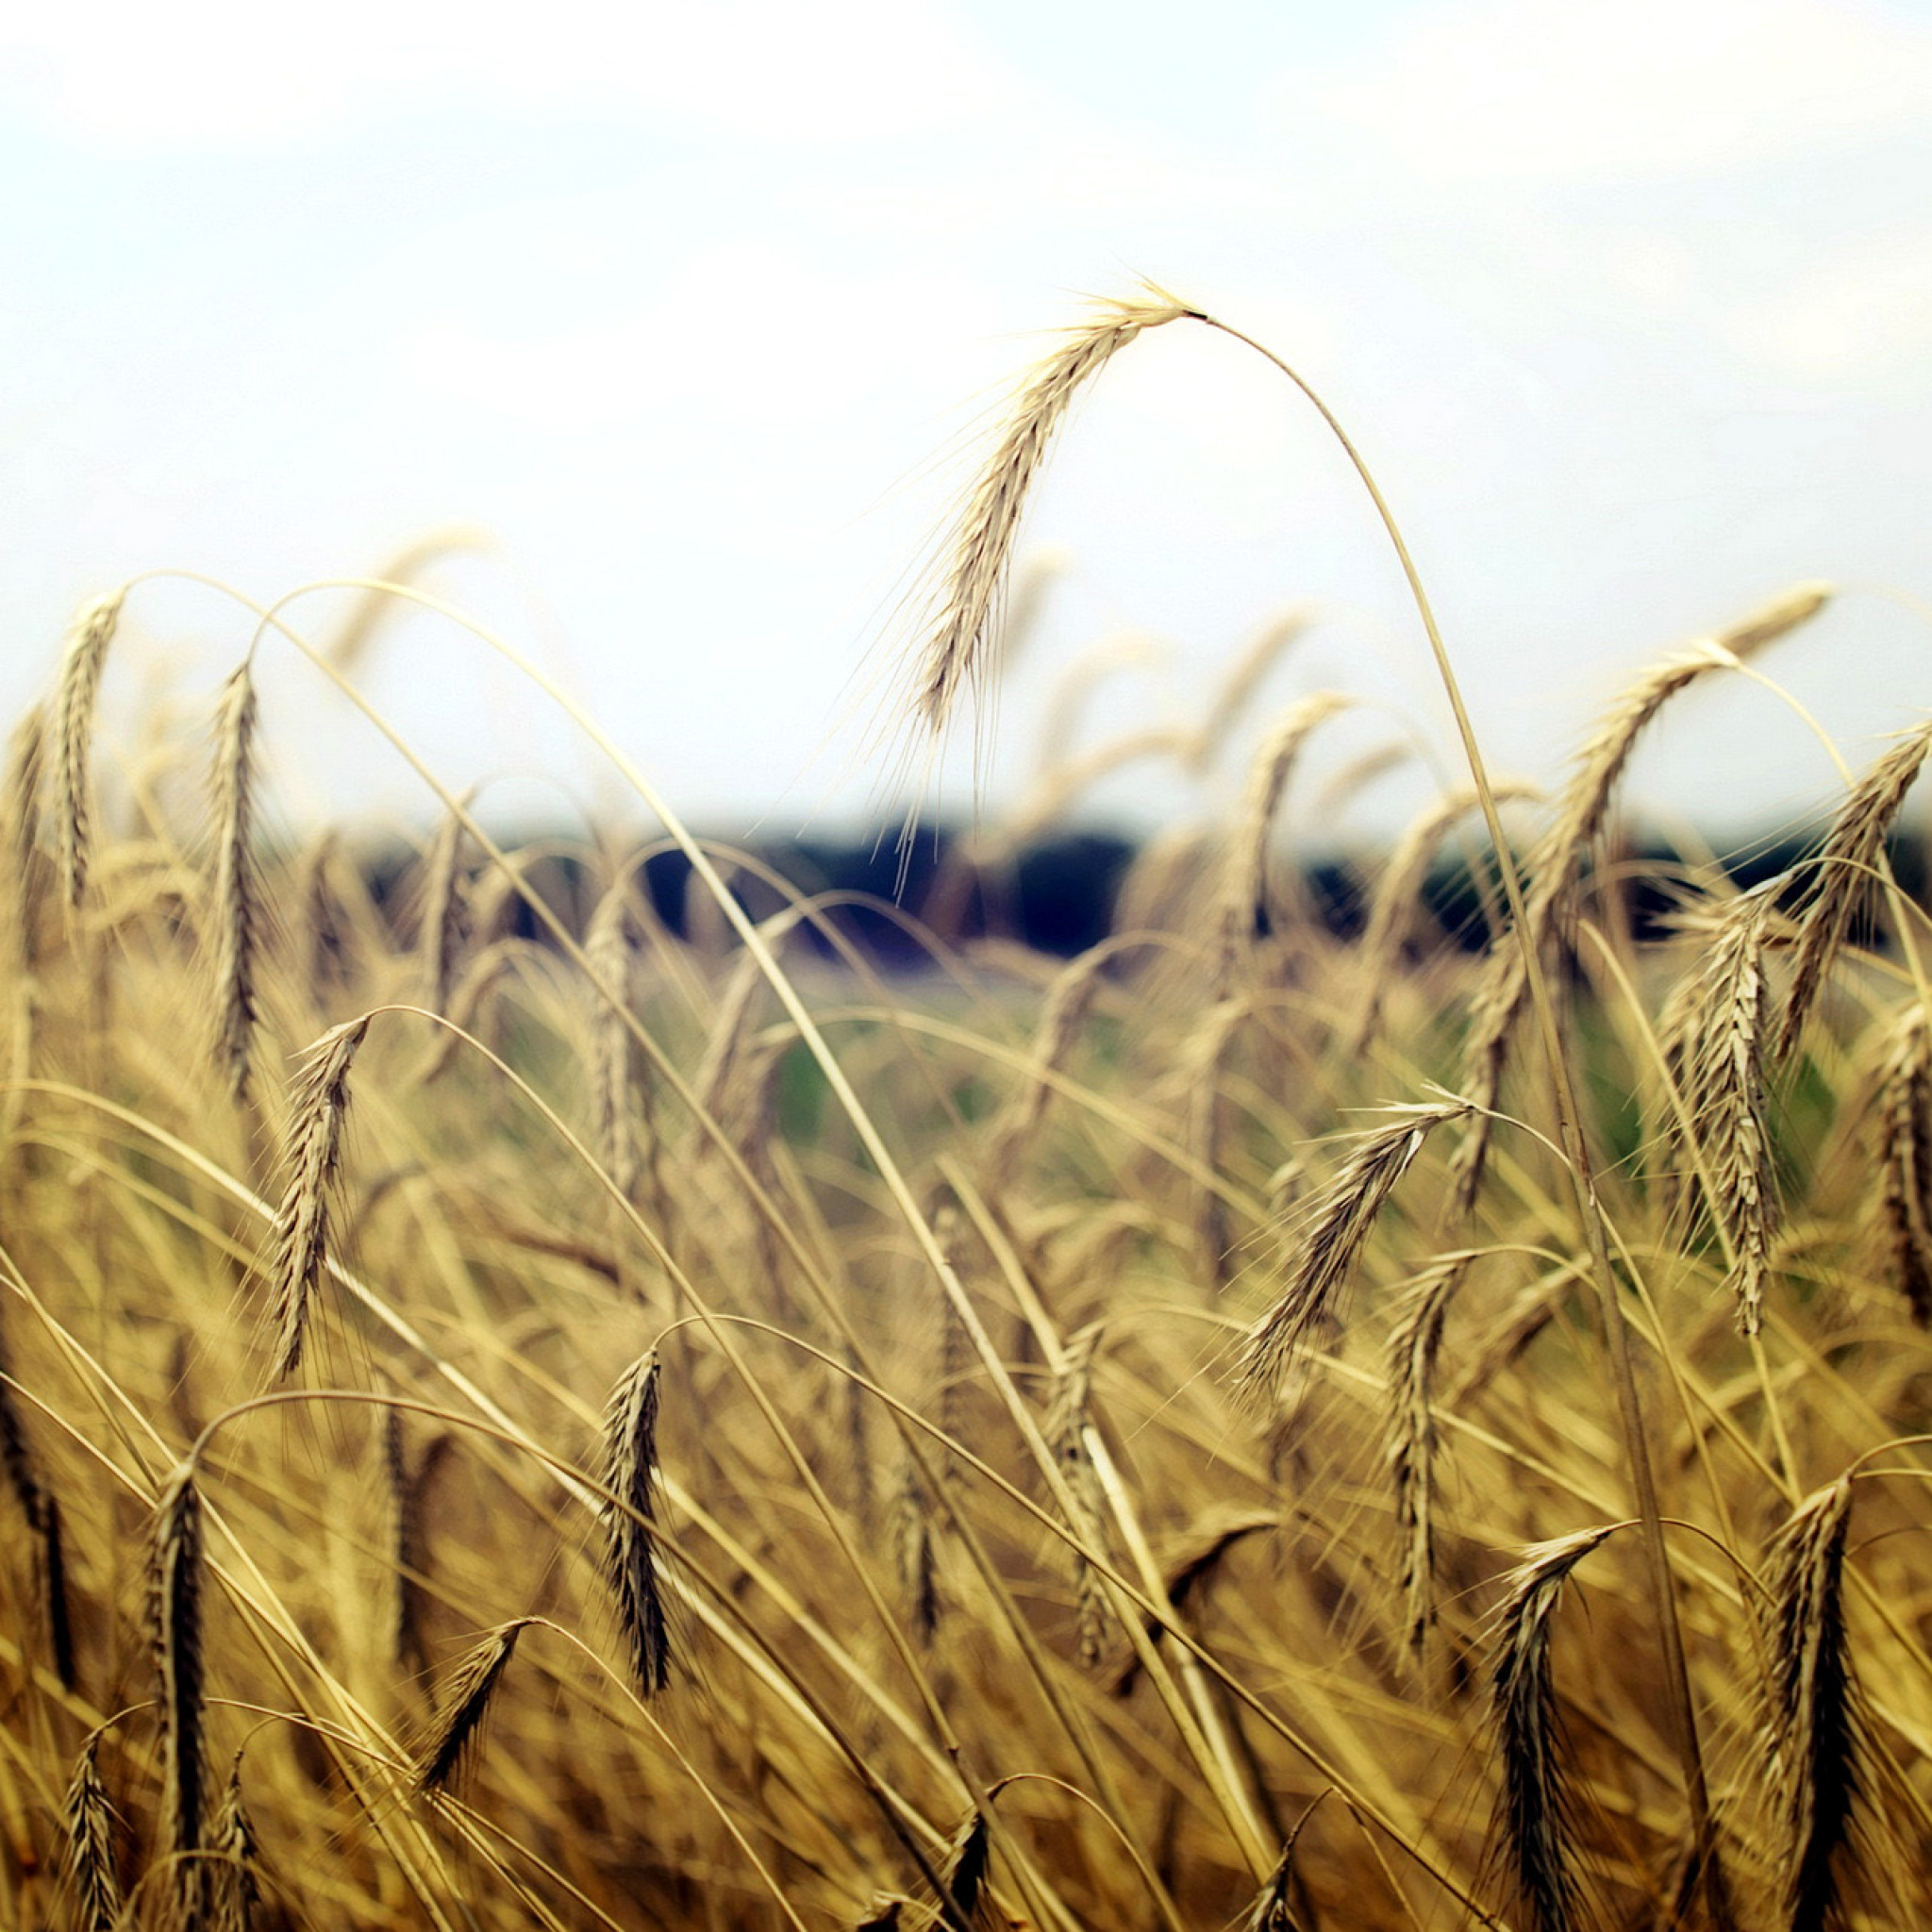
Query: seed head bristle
x=1243, y=679
x=440, y=917
x=1393, y=909
x=912, y=1545
x=963, y=1875
x=1062, y=1015
x=731, y=1027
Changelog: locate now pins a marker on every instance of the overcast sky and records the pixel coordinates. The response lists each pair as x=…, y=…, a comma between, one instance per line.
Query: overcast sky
x=693, y=312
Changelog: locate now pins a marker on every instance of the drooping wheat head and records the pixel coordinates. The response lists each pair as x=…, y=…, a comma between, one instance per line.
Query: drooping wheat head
x=952, y=652
x=1534, y=1822
x=1817, y=1730
x=73, y=722
x=1338, y=1223
x=458, y=1734
x=631, y=1564
x=1847, y=866
x=300, y=1242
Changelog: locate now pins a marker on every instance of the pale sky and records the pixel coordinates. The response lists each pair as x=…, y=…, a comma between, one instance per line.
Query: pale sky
x=694, y=309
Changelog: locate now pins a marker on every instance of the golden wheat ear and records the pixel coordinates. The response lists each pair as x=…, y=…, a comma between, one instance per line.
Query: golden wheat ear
x=631, y=1557
x=1536, y=1817
x=1339, y=1223
x=25, y=773
x=1414, y=1344
x=92, y=1862
x=236, y=1877
x=300, y=1242
x=1847, y=864
x=1817, y=1729
x=1904, y=1156
x=238, y=912
x=958, y=631
x=1715, y=1037
x=74, y=724
x=458, y=1733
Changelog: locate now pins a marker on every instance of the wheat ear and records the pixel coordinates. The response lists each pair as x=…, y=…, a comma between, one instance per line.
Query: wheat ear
x=73, y=722
x=300, y=1244
x=1244, y=884
x=235, y=1880
x=237, y=901
x=1555, y=866
x=60, y=1608
x=1398, y=892
x=955, y=647
x=1193, y=1567
x=1238, y=687
x=409, y=1554
x=630, y=1555
x=1413, y=1346
x=91, y=1824
x=1714, y=1041
x=963, y=1874
x=42, y=1509
x=714, y=1084
x=1535, y=1818
x=466, y=1706
x=1069, y=1418
x=1274, y=1908
x=1339, y=1222
x=912, y=1548
x=25, y=770
x=607, y=953
x=1904, y=1156
x=440, y=923
x=1846, y=865
x=1817, y=1730
x=174, y=1579
x=1062, y=1015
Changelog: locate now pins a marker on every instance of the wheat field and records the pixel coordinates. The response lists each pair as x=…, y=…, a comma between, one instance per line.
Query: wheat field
x=520, y=1411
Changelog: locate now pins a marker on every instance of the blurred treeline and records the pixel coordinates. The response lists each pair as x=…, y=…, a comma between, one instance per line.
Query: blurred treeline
x=1064, y=893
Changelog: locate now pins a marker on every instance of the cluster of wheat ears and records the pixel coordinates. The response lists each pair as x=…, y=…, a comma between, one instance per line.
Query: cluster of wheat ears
x=1249, y=1426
